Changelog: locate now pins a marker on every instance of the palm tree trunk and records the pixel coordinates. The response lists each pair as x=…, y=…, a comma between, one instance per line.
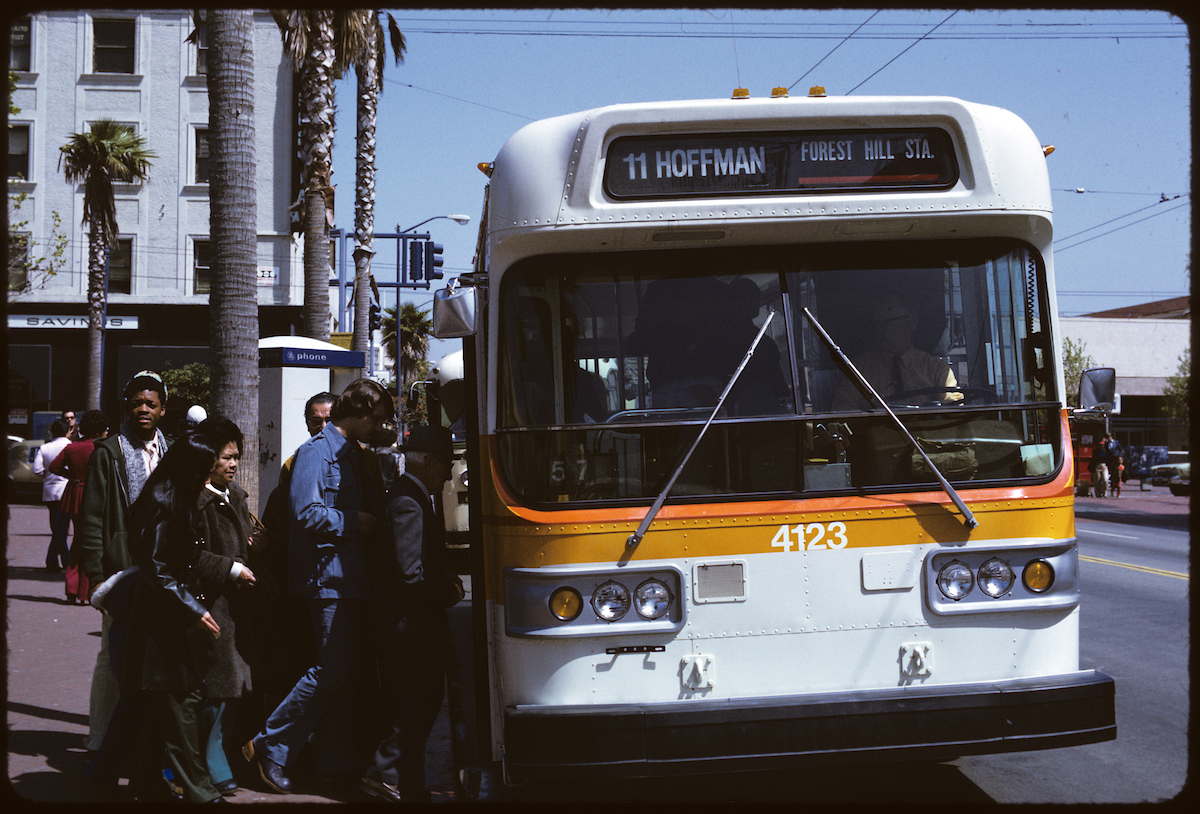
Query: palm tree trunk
x=97, y=297
x=364, y=199
x=233, y=231
x=316, y=145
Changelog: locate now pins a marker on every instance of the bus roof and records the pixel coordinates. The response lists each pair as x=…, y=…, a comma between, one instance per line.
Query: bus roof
x=550, y=174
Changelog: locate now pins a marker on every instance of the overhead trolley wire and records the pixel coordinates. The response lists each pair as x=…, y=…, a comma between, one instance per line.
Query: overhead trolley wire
x=839, y=45
x=902, y=53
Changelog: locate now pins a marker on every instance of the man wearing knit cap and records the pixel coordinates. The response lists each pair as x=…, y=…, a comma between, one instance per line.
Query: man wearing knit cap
x=117, y=471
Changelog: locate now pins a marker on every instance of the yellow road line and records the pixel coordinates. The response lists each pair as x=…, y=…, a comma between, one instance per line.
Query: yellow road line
x=1158, y=571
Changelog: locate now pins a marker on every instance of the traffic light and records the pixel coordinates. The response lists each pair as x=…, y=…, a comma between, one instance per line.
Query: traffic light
x=433, y=261
x=374, y=320
x=416, y=266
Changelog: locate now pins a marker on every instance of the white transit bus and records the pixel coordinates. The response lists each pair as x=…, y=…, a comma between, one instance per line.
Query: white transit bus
x=767, y=442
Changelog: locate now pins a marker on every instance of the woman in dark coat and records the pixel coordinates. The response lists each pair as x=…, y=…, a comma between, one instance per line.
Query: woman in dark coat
x=226, y=526
x=172, y=631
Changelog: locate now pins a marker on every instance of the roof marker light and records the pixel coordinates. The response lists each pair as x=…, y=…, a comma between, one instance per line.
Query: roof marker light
x=779, y=93
x=816, y=90
x=741, y=93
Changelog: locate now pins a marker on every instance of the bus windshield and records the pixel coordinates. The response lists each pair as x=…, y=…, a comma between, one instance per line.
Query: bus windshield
x=612, y=362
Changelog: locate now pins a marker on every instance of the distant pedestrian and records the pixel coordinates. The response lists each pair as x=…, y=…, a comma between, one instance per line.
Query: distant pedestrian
x=1100, y=465
x=412, y=586
x=336, y=497
x=192, y=418
x=52, y=492
x=173, y=638
x=72, y=427
x=72, y=464
x=1115, y=464
x=118, y=470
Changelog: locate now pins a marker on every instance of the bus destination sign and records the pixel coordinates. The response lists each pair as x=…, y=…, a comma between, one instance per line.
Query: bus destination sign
x=755, y=163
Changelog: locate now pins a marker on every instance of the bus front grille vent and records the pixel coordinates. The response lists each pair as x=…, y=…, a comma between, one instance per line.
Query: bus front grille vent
x=720, y=581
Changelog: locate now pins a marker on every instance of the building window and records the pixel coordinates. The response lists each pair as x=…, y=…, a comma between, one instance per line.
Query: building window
x=18, y=151
x=201, y=267
x=18, y=261
x=201, y=156
x=113, y=46
x=201, y=49
x=18, y=44
x=120, y=266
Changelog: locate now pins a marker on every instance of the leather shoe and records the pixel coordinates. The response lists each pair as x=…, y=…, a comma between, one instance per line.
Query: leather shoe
x=387, y=791
x=226, y=787
x=270, y=771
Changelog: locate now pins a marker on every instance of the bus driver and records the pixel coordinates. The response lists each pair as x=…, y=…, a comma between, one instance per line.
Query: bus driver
x=894, y=366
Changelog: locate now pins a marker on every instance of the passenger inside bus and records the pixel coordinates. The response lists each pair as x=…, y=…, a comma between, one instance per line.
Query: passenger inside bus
x=900, y=372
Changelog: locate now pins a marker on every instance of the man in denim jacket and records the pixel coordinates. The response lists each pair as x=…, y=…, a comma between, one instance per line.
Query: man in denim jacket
x=335, y=498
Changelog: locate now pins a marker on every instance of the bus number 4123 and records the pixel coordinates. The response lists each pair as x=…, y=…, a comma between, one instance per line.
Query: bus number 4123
x=811, y=537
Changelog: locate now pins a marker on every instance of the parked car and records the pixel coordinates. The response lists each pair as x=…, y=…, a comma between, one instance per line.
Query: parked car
x=1181, y=483
x=1161, y=474
x=23, y=485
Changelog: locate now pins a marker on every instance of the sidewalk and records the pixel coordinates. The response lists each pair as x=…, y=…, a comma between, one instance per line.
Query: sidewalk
x=1155, y=507
x=51, y=651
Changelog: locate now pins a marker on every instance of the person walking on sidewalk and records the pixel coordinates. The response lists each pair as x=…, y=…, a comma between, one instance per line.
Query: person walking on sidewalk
x=335, y=498
x=1100, y=466
x=72, y=464
x=52, y=491
x=411, y=589
x=171, y=651
x=117, y=472
x=1115, y=453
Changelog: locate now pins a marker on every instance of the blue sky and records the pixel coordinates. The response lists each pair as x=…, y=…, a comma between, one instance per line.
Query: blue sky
x=1109, y=89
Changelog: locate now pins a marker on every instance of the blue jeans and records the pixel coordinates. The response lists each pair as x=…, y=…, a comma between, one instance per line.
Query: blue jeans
x=319, y=704
x=213, y=741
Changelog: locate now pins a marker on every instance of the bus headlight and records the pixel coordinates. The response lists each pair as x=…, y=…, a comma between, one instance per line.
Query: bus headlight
x=955, y=580
x=566, y=603
x=652, y=599
x=611, y=601
x=1038, y=576
x=995, y=578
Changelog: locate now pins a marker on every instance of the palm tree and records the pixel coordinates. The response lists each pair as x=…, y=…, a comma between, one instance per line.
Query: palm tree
x=233, y=232
x=308, y=41
x=369, y=63
x=414, y=331
x=415, y=328
x=109, y=151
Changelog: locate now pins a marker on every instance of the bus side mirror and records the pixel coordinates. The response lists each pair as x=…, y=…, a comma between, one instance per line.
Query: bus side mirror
x=454, y=311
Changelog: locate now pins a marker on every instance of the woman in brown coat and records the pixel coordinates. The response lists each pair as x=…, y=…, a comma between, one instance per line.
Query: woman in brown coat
x=226, y=526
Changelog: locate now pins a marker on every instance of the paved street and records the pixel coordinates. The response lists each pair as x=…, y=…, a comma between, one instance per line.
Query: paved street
x=52, y=648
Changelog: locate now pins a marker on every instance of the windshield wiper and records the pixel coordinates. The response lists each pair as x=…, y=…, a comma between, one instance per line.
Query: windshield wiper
x=637, y=536
x=968, y=519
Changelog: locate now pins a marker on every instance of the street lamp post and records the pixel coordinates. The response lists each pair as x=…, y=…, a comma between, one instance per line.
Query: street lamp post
x=461, y=220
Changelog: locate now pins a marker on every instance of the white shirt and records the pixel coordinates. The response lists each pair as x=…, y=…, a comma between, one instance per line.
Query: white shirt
x=151, y=454
x=54, y=485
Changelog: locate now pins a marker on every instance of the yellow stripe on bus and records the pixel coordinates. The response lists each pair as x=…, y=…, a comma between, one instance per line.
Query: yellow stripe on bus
x=536, y=545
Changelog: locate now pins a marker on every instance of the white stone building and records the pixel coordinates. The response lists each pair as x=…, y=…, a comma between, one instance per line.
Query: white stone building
x=72, y=68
